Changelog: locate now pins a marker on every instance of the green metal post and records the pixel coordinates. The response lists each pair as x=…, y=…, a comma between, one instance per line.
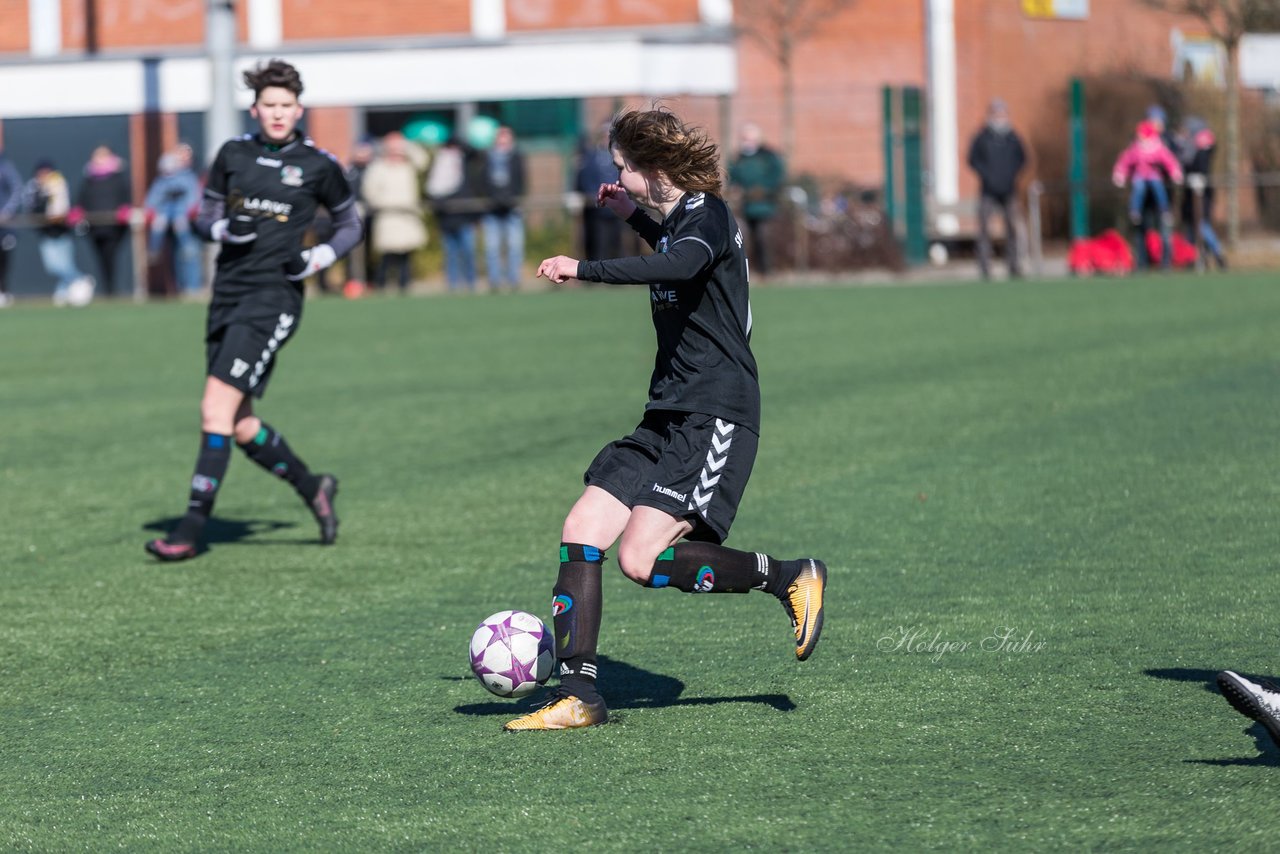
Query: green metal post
x=1079, y=164
x=890, y=166
x=913, y=174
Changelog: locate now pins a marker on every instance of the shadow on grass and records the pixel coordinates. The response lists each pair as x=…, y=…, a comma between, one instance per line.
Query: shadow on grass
x=626, y=686
x=1207, y=679
x=1268, y=751
x=220, y=530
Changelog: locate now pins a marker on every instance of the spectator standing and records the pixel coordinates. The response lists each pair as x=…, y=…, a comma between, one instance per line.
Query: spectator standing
x=1145, y=164
x=502, y=222
x=1196, y=150
x=997, y=156
x=49, y=199
x=390, y=189
x=171, y=200
x=601, y=229
x=104, y=202
x=758, y=173
x=10, y=206
x=453, y=185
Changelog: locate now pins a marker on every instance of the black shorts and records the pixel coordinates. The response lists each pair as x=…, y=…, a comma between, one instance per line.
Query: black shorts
x=243, y=352
x=690, y=465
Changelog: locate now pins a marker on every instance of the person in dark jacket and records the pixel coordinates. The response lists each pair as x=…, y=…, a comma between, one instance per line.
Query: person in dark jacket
x=104, y=203
x=601, y=229
x=1195, y=152
x=758, y=173
x=997, y=156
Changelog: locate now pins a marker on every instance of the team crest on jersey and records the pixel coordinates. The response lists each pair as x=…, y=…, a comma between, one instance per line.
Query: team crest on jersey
x=291, y=175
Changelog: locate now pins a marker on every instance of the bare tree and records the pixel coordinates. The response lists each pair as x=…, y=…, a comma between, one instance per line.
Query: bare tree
x=780, y=27
x=1228, y=21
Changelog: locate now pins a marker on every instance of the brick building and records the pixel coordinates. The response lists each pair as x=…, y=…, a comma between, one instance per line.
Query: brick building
x=135, y=72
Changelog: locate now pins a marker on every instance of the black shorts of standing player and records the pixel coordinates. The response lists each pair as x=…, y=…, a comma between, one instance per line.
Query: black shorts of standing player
x=243, y=353
x=687, y=464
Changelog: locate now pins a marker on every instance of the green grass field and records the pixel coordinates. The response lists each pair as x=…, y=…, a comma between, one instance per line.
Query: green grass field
x=1087, y=470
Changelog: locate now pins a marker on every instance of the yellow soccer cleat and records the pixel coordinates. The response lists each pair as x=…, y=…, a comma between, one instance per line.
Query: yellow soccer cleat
x=803, y=601
x=562, y=711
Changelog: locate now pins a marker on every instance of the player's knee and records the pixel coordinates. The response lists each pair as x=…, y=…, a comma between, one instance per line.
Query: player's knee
x=636, y=561
x=246, y=430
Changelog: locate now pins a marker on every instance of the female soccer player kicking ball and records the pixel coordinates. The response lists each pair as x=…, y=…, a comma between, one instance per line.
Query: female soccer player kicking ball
x=681, y=474
x=261, y=196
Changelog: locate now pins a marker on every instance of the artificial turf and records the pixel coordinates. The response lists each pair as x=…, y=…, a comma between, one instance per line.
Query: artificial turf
x=1049, y=509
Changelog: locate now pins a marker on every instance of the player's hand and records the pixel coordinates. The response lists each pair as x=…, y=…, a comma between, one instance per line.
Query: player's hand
x=613, y=197
x=238, y=230
x=309, y=262
x=1117, y=180
x=559, y=269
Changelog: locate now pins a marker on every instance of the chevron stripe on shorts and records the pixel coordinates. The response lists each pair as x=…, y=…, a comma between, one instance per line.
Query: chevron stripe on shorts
x=717, y=457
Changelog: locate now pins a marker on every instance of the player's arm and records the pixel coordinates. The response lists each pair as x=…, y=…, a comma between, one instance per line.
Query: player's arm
x=347, y=232
x=685, y=260
x=645, y=226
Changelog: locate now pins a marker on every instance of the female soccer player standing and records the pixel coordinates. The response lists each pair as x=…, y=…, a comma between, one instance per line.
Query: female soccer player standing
x=261, y=196
x=681, y=474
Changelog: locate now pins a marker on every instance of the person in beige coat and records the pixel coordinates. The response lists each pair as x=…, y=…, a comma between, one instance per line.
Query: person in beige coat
x=390, y=191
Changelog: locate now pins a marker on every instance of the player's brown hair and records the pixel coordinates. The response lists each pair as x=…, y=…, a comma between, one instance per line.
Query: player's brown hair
x=275, y=72
x=658, y=140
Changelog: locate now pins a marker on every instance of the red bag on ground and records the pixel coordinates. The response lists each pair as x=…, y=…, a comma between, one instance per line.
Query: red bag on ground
x=1108, y=254
x=1184, y=253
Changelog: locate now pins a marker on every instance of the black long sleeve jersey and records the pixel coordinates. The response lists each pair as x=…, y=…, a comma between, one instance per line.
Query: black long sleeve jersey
x=698, y=289
x=280, y=186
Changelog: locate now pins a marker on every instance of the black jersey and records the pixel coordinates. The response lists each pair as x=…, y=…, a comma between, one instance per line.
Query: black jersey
x=701, y=309
x=281, y=186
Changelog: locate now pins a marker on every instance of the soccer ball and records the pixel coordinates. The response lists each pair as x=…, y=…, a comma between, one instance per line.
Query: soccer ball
x=80, y=292
x=512, y=653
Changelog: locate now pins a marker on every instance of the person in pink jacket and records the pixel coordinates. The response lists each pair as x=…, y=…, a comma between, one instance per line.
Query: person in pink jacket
x=1144, y=165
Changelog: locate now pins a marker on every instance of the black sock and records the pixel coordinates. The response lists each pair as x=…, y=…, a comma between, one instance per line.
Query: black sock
x=708, y=568
x=269, y=450
x=577, y=604
x=211, y=469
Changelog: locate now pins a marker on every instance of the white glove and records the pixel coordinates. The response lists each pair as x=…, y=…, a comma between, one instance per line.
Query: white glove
x=244, y=230
x=313, y=260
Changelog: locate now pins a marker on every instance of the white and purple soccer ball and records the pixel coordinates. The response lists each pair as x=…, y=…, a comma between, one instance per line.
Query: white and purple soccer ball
x=512, y=653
